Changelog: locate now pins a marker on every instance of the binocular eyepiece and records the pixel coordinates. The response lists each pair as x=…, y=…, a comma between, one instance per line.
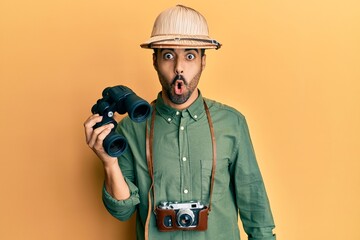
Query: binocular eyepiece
x=119, y=99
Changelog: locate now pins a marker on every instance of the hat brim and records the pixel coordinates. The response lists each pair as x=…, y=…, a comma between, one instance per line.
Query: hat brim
x=181, y=41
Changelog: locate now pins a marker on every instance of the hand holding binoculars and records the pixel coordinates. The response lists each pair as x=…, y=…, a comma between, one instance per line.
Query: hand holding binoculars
x=123, y=100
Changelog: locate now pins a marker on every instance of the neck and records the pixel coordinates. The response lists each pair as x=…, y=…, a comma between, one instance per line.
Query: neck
x=182, y=106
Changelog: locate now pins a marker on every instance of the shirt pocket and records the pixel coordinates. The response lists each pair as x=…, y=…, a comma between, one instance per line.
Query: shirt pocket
x=221, y=182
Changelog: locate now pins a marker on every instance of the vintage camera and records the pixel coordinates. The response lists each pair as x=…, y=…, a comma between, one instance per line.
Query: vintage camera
x=119, y=99
x=172, y=216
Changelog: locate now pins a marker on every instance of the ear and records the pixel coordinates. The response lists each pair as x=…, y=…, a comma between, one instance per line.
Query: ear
x=203, y=62
x=155, y=61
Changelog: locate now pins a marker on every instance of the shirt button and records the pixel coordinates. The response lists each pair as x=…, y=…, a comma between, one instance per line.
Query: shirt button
x=177, y=112
x=182, y=128
x=186, y=191
x=195, y=116
x=169, y=119
x=184, y=159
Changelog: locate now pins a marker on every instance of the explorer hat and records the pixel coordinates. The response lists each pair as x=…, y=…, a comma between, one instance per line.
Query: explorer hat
x=180, y=27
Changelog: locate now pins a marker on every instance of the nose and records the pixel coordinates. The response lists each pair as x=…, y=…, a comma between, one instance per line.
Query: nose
x=179, y=67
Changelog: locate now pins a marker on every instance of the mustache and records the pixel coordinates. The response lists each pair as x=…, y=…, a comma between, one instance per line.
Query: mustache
x=179, y=77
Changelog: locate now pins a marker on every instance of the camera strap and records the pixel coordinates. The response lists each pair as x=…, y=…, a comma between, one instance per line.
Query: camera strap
x=149, y=158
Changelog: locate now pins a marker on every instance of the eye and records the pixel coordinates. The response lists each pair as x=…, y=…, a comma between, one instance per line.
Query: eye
x=168, y=56
x=190, y=56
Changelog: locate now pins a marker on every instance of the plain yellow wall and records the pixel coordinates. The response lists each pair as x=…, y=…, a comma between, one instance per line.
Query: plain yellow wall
x=292, y=67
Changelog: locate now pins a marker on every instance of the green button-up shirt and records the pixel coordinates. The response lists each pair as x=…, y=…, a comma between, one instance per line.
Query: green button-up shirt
x=182, y=159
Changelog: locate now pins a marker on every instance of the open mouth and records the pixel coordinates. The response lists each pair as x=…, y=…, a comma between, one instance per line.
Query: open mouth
x=179, y=87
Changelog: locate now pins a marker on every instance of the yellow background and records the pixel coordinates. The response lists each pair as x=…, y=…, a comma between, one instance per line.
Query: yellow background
x=291, y=67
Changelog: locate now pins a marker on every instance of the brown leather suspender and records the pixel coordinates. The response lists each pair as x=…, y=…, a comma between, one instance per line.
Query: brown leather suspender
x=213, y=141
x=149, y=158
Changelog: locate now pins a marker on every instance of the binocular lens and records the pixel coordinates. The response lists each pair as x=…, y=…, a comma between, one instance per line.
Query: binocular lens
x=140, y=113
x=137, y=108
x=114, y=144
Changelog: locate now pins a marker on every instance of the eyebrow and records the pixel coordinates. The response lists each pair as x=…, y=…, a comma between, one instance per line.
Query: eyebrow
x=186, y=49
x=192, y=49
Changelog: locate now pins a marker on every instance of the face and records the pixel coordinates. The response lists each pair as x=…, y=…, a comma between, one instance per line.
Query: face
x=179, y=72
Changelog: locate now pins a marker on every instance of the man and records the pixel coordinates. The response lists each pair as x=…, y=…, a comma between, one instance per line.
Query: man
x=190, y=169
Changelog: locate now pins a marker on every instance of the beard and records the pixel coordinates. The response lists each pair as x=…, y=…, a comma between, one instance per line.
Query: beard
x=188, y=87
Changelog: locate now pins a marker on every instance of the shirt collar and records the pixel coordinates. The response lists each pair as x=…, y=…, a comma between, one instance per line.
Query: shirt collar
x=195, y=110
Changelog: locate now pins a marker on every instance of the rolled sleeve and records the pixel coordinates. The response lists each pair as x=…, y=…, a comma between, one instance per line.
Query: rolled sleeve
x=122, y=209
x=273, y=237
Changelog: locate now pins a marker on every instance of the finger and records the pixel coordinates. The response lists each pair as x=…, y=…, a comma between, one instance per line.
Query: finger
x=101, y=132
x=92, y=120
x=89, y=124
x=98, y=145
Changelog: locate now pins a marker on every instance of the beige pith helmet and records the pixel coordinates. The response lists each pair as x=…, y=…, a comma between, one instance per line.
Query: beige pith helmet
x=180, y=27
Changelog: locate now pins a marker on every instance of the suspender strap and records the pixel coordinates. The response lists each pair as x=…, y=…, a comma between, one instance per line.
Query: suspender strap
x=149, y=149
x=213, y=142
x=149, y=155
x=149, y=159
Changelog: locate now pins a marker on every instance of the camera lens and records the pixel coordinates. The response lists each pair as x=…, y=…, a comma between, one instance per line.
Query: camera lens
x=185, y=218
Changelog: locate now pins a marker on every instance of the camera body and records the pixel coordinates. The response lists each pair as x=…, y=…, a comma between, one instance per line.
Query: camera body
x=119, y=99
x=172, y=216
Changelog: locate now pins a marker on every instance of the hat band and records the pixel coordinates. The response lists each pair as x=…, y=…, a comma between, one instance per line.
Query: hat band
x=211, y=41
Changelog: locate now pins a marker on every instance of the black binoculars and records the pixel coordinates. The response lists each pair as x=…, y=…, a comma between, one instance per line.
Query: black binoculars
x=119, y=99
